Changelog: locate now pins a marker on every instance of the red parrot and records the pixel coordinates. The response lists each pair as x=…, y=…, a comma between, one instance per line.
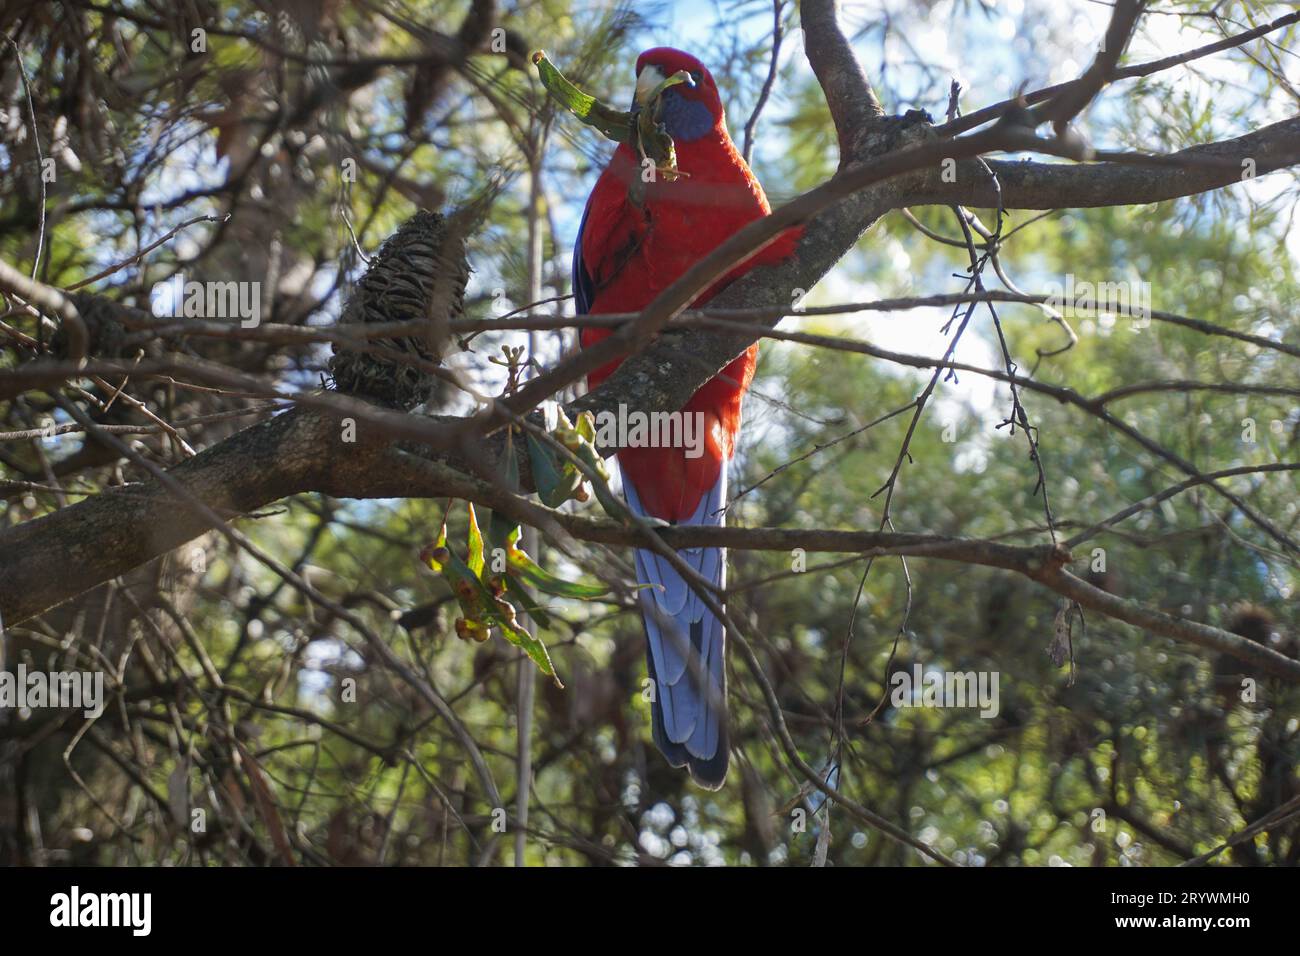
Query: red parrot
x=632, y=244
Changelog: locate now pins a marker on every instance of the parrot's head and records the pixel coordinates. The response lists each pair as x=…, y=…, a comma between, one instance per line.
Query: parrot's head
x=688, y=112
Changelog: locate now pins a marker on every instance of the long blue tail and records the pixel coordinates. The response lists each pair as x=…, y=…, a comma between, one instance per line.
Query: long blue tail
x=686, y=648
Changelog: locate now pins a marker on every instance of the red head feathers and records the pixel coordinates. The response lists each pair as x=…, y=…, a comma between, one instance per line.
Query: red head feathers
x=689, y=112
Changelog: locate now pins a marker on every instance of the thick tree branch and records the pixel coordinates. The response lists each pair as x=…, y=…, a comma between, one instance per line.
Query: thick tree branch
x=56, y=557
x=853, y=105
x=51, y=559
x=1197, y=169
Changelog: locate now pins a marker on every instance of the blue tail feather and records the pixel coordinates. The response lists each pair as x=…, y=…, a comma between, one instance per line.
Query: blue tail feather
x=686, y=649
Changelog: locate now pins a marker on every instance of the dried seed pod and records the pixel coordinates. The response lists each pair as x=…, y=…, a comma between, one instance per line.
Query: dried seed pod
x=419, y=274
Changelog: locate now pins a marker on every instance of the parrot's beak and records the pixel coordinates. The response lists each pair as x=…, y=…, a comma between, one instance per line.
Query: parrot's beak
x=647, y=82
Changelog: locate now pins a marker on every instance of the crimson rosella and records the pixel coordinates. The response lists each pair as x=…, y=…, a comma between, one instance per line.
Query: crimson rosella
x=635, y=240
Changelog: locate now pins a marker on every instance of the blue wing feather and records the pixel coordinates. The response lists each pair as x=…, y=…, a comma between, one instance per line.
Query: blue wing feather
x=584, y=289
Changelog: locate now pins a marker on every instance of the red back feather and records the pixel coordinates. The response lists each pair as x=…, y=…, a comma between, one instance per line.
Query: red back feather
x=633, y=252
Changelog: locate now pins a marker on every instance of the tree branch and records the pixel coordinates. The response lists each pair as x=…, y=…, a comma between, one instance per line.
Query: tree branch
x=1197, y=169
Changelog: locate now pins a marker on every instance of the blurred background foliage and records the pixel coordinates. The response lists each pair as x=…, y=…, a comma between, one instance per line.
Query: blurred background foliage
x=1146, y=756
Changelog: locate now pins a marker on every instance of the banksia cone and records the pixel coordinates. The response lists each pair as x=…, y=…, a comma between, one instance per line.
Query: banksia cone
x=419, y=274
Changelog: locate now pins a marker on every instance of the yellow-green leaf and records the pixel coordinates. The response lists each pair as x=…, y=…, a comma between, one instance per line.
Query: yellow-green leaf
x=611, y=123
x=529, y=570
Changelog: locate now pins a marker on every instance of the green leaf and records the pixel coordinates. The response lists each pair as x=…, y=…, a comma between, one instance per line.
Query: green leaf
x=500, y=526
x=586, y=429
x=504, y=616
x=529, y=570
x=611, y=123
x=481, y=605
x=652, y=137
x=475, y=562
x=527, y=603
x=643, y=129
x=432, y=554
x=608, y=500
x=474, y=599
x=555, y=481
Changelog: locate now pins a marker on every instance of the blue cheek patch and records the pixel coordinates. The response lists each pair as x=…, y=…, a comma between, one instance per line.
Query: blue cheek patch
x=685, y=119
